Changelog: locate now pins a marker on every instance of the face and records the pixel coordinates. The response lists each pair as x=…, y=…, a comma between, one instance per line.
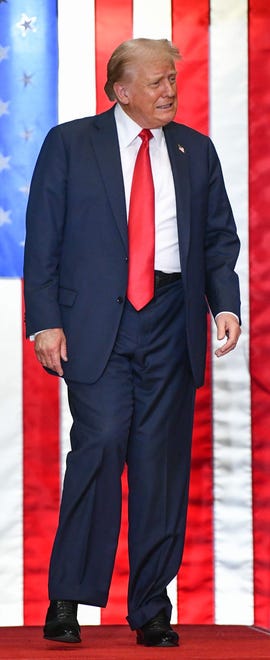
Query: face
x=149, y=93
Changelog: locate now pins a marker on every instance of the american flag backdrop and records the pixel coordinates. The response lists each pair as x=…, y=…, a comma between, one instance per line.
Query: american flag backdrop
x=52, y=68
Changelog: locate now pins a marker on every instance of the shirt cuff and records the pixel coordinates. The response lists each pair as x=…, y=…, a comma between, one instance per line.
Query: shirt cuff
x=33, y=337
x=227, y=312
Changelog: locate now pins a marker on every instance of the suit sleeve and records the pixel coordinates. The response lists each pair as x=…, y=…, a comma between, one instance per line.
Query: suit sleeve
x=45, y=220
x=221, y=244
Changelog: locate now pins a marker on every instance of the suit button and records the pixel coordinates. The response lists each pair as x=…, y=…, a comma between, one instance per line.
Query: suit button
x=119, y=300
x=126, y=258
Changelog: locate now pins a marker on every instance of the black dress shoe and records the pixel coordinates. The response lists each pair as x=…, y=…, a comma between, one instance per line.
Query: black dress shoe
x=157, y=632
x=61, y=623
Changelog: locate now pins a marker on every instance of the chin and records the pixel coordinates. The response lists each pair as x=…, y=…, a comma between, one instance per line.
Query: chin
x=166, y=117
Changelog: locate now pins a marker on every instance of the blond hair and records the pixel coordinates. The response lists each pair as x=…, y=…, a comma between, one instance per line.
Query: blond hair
x=125, y=54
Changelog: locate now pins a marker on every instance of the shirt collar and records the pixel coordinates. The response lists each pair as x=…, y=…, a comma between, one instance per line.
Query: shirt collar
x=128, y=130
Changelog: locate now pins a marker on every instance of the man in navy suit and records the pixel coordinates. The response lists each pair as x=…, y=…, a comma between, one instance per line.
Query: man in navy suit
x=131, y=373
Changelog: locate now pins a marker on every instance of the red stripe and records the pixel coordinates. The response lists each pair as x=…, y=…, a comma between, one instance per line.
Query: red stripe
x=113, y=25
x=196, y=583
x=190, y=22
x=41, y=480
x=259, y=104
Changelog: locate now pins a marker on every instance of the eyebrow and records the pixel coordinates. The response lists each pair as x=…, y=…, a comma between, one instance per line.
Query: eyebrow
x=159, y=76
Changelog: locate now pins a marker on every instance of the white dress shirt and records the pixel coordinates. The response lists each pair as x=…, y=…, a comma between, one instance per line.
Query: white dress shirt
x=167, y=256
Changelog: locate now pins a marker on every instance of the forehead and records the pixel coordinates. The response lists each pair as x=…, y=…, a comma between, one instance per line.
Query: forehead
x=151, y=66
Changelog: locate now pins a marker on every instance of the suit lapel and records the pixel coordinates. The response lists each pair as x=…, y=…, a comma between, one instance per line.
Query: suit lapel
x=179, y=162
x=105, y=143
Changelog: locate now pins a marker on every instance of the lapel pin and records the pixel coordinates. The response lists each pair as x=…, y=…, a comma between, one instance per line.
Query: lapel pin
x=181, y=148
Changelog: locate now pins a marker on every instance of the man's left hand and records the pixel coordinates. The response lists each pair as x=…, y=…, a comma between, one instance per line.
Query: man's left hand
x=227, y=326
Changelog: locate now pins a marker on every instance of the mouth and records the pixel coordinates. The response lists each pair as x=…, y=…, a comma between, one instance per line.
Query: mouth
x=166, y=106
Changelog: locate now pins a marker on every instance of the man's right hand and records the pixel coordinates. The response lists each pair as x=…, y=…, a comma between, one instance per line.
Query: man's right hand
x=50, y=348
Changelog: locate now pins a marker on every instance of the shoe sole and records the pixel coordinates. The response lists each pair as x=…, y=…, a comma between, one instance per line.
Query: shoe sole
x=165, y=644
x=69, y=639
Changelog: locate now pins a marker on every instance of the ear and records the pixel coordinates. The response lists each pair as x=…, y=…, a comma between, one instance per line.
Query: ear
x=121, y=92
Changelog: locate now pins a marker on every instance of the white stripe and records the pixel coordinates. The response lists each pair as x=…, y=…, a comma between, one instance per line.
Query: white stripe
x=231, y=395
x=172, y=593
x=76, y=36
x=76, y=98
x=11, y=464
x=152, y=19
x=65, y=426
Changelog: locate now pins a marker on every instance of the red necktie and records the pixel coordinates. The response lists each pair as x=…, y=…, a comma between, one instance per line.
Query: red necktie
x=141, y=228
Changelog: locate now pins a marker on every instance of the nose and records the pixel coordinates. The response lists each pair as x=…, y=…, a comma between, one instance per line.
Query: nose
x=168, y=88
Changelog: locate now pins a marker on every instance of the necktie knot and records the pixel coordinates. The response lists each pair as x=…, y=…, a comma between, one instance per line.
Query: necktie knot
x=145, y=135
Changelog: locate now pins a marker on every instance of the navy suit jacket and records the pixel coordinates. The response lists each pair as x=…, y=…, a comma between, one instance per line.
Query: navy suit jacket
x=76, y=250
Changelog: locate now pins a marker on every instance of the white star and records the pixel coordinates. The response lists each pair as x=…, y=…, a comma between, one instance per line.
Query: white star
x=26, y=24
x=3, y=52
x=4, y=108
x=4, y=162
x=4, y=217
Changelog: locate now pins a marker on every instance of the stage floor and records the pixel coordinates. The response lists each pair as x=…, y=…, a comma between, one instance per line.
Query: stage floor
x=118, y=643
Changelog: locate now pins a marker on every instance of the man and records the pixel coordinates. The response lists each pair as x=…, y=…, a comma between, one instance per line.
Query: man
x=131, y=352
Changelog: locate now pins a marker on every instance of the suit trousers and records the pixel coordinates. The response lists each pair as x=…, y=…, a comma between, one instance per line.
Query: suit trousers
x=139, y=412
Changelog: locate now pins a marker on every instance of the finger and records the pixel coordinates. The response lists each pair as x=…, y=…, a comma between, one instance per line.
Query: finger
x=63, y=350
x=54, y=362
x=57, y=366
x=50, y=359
x=226, y=348
x=221, y=331
x=231, y=342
